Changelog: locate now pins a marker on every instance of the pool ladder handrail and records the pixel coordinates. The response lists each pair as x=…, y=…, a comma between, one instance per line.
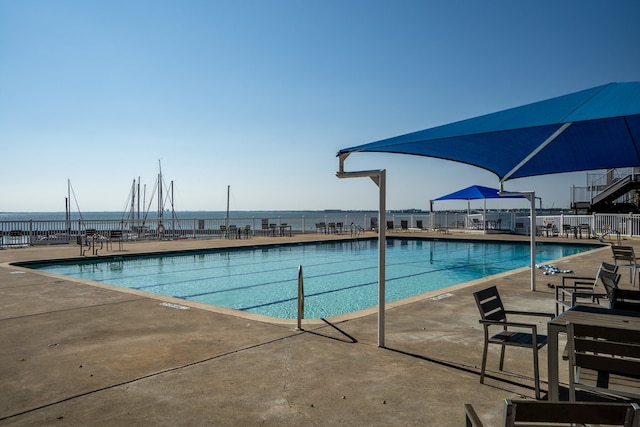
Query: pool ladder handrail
x=300, y=299
x=356, y=230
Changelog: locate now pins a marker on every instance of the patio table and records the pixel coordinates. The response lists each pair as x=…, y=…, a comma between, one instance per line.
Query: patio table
x=584, y=315
x=285, y=229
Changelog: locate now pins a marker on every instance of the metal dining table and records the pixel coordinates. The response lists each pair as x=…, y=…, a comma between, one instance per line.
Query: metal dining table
x=585, y=315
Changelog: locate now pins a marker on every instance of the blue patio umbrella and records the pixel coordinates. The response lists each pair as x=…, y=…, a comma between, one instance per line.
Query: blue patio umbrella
x=474, y=192
x=597, y=128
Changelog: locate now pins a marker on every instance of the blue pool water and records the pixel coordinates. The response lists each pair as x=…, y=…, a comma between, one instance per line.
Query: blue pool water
x=339, y=277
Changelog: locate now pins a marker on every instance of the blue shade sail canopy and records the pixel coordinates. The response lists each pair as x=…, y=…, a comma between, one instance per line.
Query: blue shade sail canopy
x=597, y=128
x=476, y=192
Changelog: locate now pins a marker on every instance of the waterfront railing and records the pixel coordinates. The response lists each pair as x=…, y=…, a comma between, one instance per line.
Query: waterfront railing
x=30, y=232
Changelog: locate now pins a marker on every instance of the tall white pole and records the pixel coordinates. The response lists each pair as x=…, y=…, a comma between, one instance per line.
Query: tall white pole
x=226, y=219
x=532, y=198
x=160, y=201
x=382, y=247
x=68, y=205
x=138, y=190
x=133, y=201
x=380, y=178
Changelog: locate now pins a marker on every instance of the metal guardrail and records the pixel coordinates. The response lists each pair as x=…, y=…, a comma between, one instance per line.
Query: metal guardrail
x=300, y=299
x=599, y=182
x=50, y=232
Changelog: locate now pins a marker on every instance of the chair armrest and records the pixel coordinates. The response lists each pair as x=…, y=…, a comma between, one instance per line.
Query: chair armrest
x=587, y=285
x=531, y=313
x=579, y=294
x=579, y=284
x=563, y=289
x=593, y=296
x=587, y=280
x=575, y=288
x=471, y=417
x=582, y=292
x=514, y=324
x=578, y=279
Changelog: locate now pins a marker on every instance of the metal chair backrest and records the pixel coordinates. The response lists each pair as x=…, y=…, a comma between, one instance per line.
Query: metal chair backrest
x=605, y=267
x=490, y=305
x=612, y=353
x=624, y=253
x=625, y=299
x=540, y=413
x=609, y=281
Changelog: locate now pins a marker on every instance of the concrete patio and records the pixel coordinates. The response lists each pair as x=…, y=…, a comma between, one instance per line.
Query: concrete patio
x=75, y=353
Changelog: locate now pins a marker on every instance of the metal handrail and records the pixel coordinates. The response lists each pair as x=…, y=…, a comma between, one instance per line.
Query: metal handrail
x=300, y=298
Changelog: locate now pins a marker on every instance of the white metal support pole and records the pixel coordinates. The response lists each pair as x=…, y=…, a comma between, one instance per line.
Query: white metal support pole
x=379, y=177
x=226, y=218
x=531, y=196
x=382, y=247
x=300, y=299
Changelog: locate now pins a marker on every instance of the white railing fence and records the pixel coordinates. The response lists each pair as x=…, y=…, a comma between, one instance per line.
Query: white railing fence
x=41, y=232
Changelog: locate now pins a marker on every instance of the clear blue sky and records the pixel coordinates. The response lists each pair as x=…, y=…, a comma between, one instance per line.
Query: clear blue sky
x=260, y=95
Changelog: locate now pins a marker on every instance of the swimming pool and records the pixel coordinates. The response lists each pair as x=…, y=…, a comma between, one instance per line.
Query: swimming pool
x=339, y=277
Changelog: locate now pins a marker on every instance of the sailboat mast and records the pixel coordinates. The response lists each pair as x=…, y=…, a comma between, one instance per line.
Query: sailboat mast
x=68, y=206
x=138, y=199
x=173, y=211
x=160, y=209
x=226, y=220
x=133, y=201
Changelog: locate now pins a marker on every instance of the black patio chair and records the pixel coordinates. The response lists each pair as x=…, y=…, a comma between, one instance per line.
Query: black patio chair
x=494, y=315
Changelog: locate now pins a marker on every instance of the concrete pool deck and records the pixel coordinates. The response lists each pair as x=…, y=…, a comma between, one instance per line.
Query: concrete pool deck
x=79, y=354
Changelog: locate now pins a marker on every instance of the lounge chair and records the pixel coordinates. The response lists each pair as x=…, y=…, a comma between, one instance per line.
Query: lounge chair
x=493, y=314
x=404, y=225
x=574, y=288
x=627, y=259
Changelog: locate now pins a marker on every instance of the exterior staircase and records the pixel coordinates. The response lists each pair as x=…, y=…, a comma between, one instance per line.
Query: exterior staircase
x=621, y=196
